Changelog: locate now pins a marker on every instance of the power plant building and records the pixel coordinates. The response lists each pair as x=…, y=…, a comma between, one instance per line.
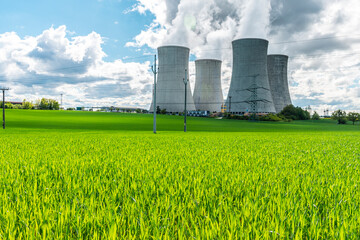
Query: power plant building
x=170, y=87
x=277, y=71
x=208, y=94
x=249, y=89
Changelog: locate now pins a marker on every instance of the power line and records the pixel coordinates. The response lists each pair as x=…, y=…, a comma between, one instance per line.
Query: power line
x=287, y=42
x=42, y=77
x=314, y=39
x=140, y=57
x=348, y=70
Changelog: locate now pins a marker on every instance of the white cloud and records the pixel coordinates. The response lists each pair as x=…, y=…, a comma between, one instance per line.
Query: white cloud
x=51, y=63
x=323, y=73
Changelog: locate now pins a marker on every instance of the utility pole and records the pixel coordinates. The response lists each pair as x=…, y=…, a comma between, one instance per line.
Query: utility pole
x=230, y=104
x=186, y=80
x=61, y=101
x=155, y=71
x=3, y=90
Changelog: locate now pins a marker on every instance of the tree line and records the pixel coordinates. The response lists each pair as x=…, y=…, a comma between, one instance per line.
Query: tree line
x=342, y=117
x=41, y=104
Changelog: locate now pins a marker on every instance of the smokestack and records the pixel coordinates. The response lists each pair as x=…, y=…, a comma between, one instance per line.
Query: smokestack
x=208, y=91
x=170, y=92
x=249, y=81
x=277, y=70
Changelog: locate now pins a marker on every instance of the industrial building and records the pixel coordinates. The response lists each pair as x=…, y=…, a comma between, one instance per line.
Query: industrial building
x=208, y=94
x=249, y=89
x=278, y=80
x=170, y=89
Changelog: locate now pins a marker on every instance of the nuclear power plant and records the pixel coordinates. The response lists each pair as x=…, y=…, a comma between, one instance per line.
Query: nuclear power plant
x=249, y=89
x=170, y=89
x=208, y=91
x=259, y=83
x=277, y=71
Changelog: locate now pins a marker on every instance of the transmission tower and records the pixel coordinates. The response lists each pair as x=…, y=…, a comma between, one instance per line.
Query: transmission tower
x=254, y=99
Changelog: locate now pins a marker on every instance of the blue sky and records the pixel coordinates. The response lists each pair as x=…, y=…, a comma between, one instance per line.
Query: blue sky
x=106, y=17
x=96, y=52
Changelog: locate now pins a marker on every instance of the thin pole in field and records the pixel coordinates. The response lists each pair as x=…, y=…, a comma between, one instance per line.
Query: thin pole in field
x=186, y=80
x=155, y=71
x=61, y=101
x=230, y=104
x=3, y=90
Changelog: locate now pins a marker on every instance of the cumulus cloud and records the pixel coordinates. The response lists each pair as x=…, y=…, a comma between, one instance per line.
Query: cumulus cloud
x=319, y=70
x=323, y=72
x=52, y=63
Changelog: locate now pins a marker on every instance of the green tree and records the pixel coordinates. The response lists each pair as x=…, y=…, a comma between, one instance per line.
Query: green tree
x=53, y=104
x=42, y=104
x=9, y=105
x=158, y=110
x=295, y=113
x=353, y=117
x=339, y=116
x=138, y=110
x=315, y=116
x=47, y=104
x=27, y=105
x=163, y=111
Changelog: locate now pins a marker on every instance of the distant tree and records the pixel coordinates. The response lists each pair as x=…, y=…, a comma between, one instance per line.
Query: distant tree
x=144, y=111
x=138, y=110
x=353, y=117
x=27, y=105
x=158, y=110
x=53, y=104
x=163, y=111
x=339, y=116
x=70, y=109
x=9, y=105
x=315, y=116
x=270, y=117
x=47, y=104
x=42, y=104
x=295, y=113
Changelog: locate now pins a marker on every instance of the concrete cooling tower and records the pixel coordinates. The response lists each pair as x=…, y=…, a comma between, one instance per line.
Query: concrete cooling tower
x=170, y=88
x=249, y=89
x=277, y=70
x=208, y=92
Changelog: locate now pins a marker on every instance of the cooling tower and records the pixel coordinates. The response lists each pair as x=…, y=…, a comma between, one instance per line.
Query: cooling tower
x=249, y=81
x=208, y=92
x=170, y=88
x=277, y=70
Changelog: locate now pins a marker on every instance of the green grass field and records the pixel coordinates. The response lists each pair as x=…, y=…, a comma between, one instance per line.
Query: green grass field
x=88, y=175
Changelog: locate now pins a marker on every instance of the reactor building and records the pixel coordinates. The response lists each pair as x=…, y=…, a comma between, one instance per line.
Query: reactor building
x=170, y=87
x=278, y=80
x=208, y=94
x=249, y=90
